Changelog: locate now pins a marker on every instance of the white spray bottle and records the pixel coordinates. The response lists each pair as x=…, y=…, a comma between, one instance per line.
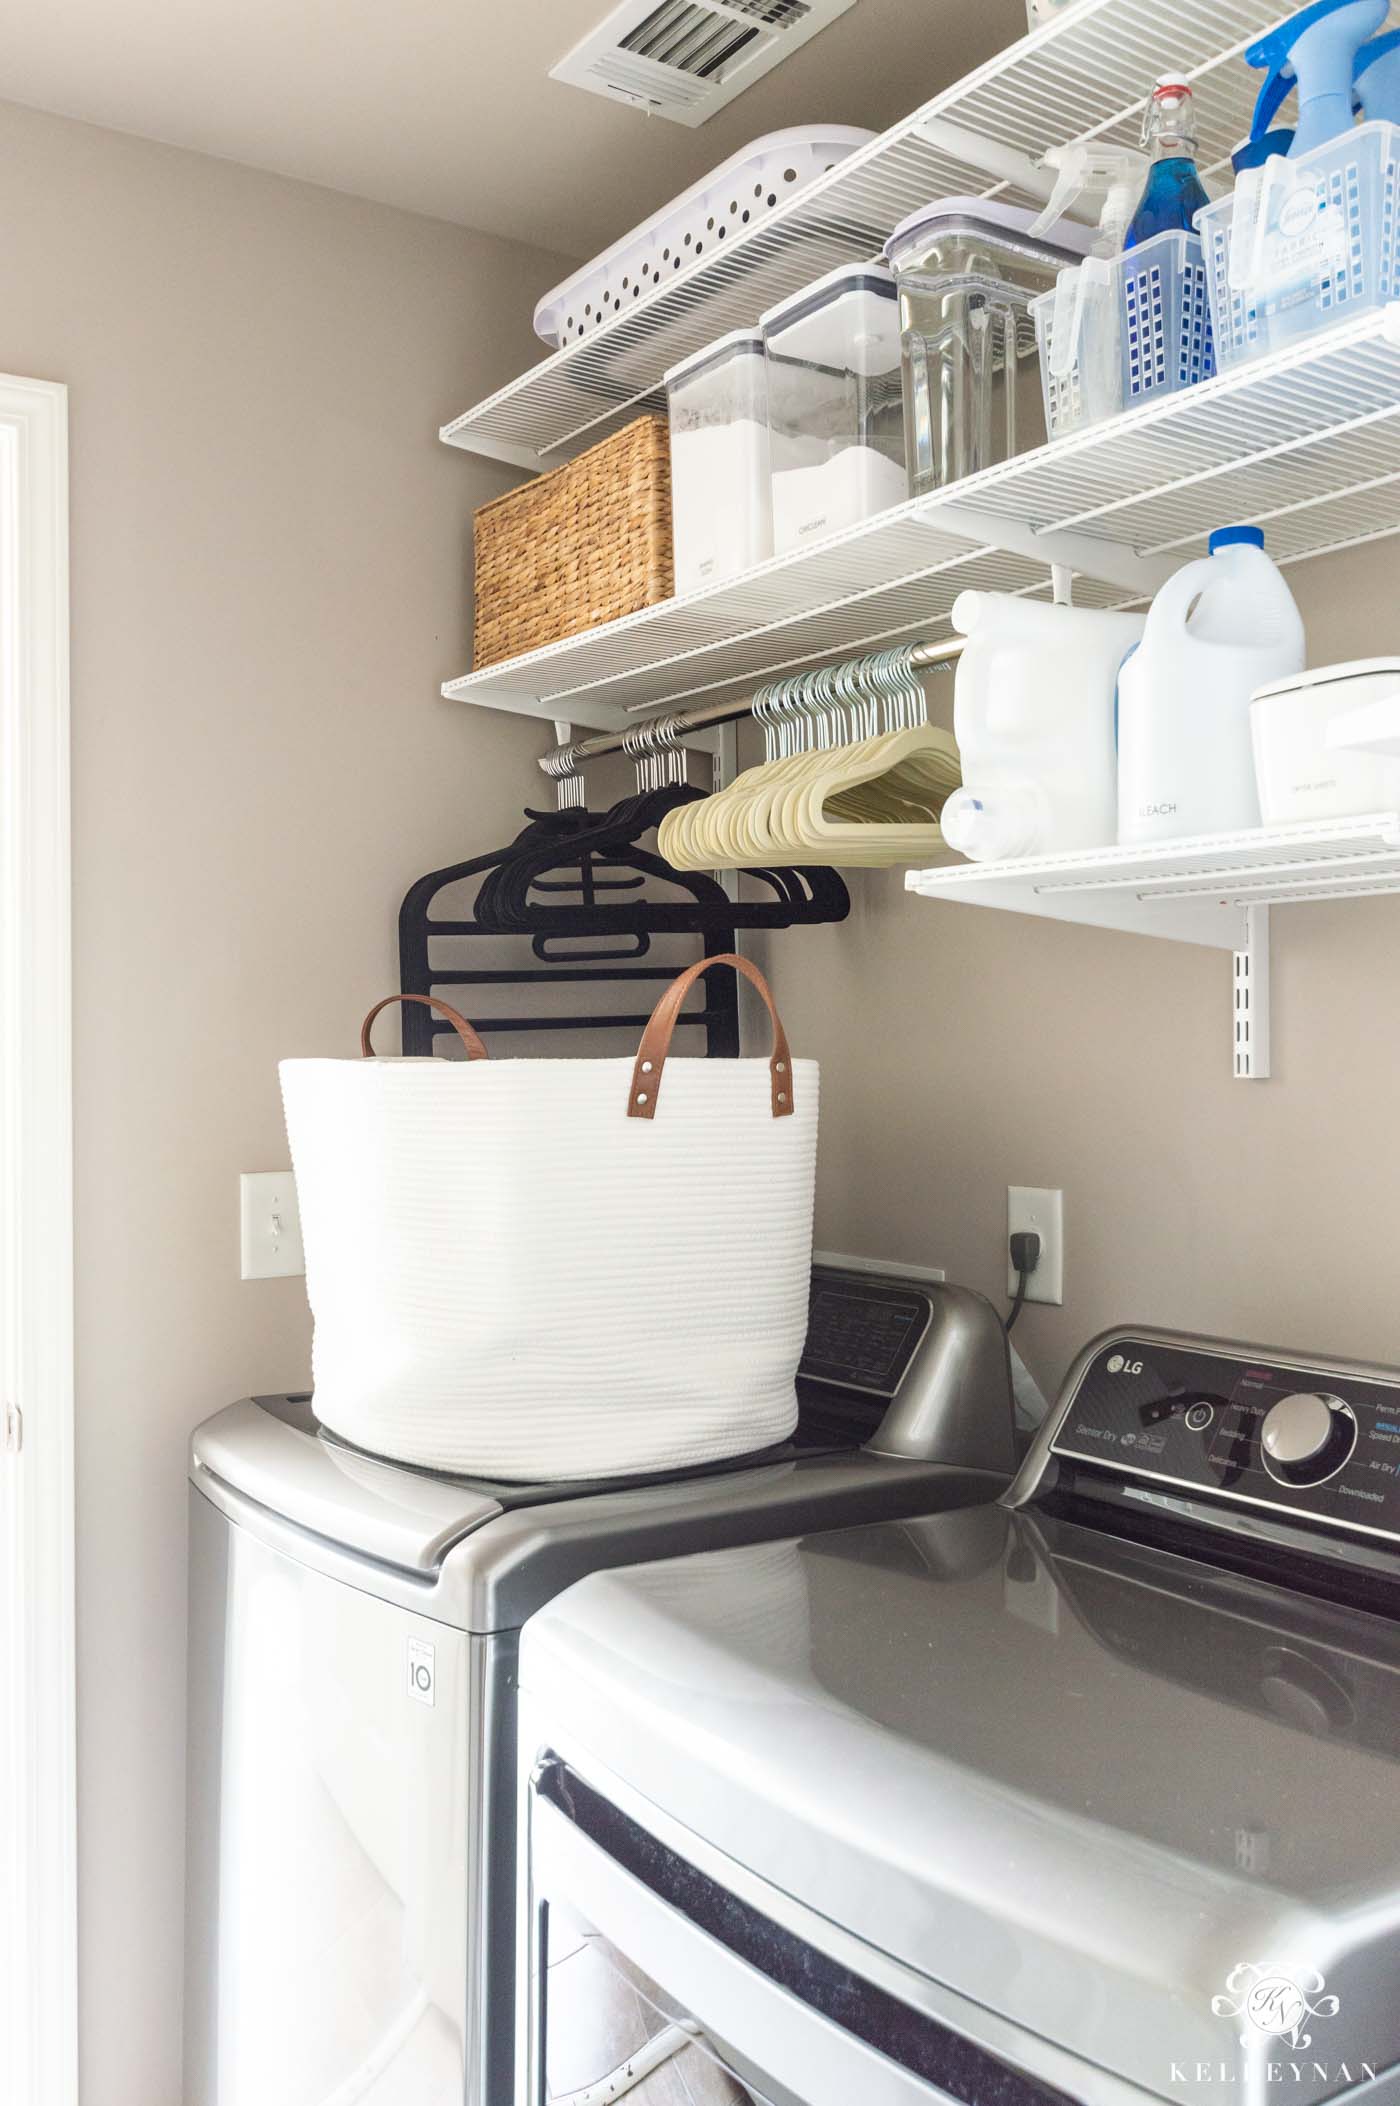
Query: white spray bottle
x=1086, y=327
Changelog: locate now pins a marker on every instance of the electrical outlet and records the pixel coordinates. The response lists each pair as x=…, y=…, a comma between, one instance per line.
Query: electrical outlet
x=1028, y=1207
x=271, y=1225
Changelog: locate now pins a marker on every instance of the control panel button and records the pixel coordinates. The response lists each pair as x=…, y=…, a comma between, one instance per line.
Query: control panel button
x=1298, y=1428
x=1200, y=1417
x=1307, y=1437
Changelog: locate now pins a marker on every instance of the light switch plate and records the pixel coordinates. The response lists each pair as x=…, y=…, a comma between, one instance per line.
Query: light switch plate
x=1029, y=1207
x=271, y=1225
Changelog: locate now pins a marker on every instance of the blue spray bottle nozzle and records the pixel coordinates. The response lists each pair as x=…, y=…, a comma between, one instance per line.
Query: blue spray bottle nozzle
x=1376, y=79
x=1262, y=147
x=1316, y=49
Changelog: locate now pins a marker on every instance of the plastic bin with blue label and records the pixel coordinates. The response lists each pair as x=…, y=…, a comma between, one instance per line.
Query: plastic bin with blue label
x=1302, y=244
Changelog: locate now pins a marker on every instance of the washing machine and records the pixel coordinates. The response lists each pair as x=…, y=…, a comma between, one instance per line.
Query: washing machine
x=354, y=1630
x=1089, y=1795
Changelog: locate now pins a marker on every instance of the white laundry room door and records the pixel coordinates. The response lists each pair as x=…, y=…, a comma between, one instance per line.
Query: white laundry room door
x=38, y=2014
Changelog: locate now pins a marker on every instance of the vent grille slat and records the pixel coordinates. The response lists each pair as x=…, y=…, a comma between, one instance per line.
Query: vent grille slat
x=648, y=83
x=777, y=14
x=690, y=38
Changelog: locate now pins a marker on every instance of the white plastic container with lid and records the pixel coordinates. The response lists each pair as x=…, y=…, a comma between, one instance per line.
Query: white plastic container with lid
x=1220, y=629
x=1033, y=715
x=968, y=270
x=835, y=405
x=721, y=499
x=1305, y=762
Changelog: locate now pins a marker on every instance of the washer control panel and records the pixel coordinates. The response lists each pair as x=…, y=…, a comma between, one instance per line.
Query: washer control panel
x=1325, y=1445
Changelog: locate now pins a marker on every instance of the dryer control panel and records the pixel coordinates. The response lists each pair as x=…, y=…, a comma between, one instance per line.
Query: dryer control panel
x=1304, y=1440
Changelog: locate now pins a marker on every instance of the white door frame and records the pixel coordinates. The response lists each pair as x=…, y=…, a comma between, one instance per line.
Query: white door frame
x=38, y=1791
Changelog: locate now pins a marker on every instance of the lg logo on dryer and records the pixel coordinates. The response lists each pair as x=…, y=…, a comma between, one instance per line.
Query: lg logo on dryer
x=1118, y=1365
x=422, y=1670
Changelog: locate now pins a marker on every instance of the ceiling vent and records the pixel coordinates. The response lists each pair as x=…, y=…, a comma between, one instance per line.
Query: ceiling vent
x=685, y=59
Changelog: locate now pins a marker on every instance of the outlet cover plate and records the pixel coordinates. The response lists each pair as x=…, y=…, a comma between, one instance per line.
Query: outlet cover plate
x=1032, y=1207
x=270, y=1225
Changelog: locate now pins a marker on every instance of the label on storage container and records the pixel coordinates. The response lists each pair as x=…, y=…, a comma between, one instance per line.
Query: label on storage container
x=1295, y=239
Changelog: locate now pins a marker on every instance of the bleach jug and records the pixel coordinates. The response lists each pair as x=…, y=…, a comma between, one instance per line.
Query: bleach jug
x=1218, y=630
x=1033, y=714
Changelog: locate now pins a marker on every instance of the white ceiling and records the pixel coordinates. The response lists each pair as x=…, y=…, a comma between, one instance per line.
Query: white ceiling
x=446, y=107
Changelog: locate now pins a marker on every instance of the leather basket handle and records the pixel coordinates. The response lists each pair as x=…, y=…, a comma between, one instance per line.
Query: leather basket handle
x=475, y=1049
x=656, y=1040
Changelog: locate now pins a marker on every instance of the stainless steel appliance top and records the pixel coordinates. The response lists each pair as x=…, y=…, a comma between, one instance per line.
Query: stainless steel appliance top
x=481, y=1556
x=899, y=1368
x=1082, y=1761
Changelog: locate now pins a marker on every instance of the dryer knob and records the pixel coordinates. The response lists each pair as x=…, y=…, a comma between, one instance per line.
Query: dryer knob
x=1307, y=1437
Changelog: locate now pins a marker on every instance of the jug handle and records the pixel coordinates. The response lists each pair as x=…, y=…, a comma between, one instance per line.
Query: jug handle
x=1172, y=605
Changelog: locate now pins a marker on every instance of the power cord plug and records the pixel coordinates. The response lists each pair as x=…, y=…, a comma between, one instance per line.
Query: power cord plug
x=1025, y=1256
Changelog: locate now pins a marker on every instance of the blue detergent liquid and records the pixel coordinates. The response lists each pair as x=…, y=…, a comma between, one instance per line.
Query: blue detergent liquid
x=1170, y=202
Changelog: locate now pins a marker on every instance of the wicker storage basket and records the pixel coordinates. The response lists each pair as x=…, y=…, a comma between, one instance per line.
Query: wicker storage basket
x=580, y=546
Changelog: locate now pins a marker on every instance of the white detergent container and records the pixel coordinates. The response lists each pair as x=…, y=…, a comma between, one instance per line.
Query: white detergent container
x=1220, y=629
x=1033, y=714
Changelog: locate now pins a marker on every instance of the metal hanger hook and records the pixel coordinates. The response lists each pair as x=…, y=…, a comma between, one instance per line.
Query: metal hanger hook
x=563, y=769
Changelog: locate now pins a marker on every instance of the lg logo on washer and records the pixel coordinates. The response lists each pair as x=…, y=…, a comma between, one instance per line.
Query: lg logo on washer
x=422, y=1670
x=1118, y=1365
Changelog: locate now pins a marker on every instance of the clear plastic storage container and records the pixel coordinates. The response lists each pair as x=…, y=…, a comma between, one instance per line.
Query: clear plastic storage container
x=967, y=272
x=1124, y=330
x=1304, y=243
x=721, y=502
x=835, y=405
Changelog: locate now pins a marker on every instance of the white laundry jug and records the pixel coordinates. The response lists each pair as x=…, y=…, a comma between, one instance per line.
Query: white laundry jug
x=1033, y=715
x=1218, y=630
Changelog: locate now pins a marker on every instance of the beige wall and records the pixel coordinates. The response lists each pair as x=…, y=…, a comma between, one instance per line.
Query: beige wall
x=268, y=549
x=964, y=1050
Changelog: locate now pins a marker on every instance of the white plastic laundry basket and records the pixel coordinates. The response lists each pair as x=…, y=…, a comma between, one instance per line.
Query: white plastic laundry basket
x=717, y=209
x=557, y=1268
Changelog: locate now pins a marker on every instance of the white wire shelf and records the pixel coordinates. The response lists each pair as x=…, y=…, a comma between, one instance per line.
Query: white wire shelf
x=1194, y=891
x=1216, y=889
x=1305, y=444
x=1083, y=75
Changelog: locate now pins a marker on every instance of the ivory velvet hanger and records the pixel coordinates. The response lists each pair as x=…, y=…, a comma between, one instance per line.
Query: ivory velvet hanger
x=854, y=775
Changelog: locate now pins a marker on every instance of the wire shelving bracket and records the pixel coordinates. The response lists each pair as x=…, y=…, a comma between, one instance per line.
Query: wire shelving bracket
x=1216, y=890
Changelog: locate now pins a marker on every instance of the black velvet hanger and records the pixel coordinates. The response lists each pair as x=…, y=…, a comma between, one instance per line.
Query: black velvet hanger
x=573, y=876
x=802, y=895
x=574, y=905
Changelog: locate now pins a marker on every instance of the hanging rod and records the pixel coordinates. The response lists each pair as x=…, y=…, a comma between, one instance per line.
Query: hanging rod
x=565, y=760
